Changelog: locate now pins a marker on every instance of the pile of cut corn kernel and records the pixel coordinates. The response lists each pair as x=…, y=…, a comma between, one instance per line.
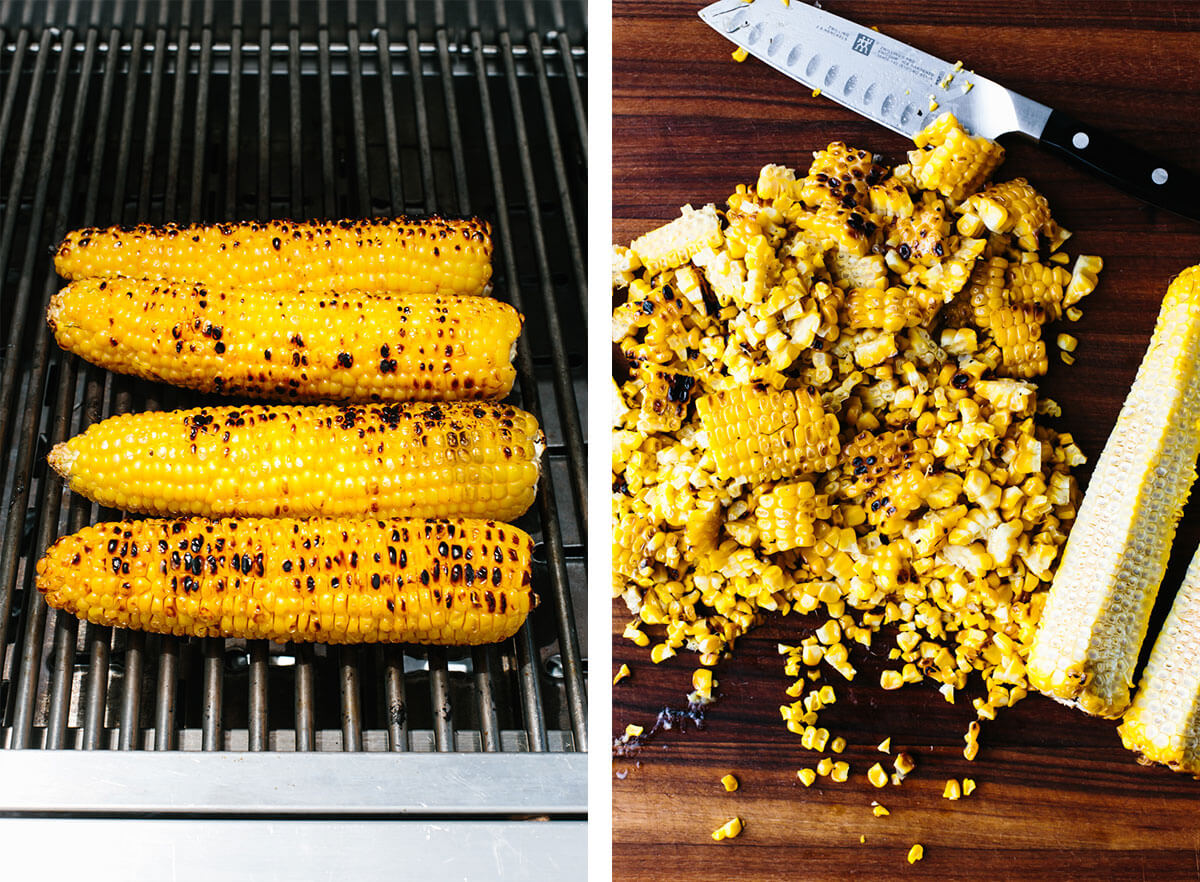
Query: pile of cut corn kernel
x=828, y=410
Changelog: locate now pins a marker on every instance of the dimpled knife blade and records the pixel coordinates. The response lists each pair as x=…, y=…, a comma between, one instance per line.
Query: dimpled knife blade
x=872, y=74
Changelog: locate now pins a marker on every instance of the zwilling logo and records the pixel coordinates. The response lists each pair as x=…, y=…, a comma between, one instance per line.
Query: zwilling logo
x=864, y=44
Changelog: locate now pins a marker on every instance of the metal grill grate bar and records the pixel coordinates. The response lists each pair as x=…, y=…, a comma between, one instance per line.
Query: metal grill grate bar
x=566, y=53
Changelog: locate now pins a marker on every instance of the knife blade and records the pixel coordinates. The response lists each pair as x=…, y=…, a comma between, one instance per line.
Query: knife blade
x=903, y=88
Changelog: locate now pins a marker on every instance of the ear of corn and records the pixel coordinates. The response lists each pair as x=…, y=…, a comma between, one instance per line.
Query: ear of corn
x=462, y=582
x=1098, y=608
x=409, y=459
x=378, y=255
x=300, y=346
x=1163, y=724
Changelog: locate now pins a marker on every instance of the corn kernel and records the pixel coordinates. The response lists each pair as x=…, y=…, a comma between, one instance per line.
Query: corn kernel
x=639, y=637
x=806, y=776
x=879, y=811
x=891, y=680
x=702, y=680
x=877, y=776
x=1066, y=342
x=728, y=830
x=824, y=766
x=622, y=673
x=730, y=782
x=633, y=731
x=661, y=652
x=840, y=772
x=885, y=746
x=953, y=790
x=740, y=54
x=916, y=853
x=903, y=764
x=838, y=745
x=968, y=786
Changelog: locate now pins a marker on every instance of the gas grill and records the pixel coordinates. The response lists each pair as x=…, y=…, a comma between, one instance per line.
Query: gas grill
x=152, y=111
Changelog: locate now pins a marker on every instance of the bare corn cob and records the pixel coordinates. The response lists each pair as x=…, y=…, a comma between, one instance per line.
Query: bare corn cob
x=411, y=459
x=1099, y=606
x=328, y=580
x=306, y=346
x=759, y=434
x=378, y=255
x=1163, y=725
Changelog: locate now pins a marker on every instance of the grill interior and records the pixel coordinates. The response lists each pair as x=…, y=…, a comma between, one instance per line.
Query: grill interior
x=203, y=111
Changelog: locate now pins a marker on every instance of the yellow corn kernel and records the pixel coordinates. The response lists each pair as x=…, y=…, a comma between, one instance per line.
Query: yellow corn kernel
x=838, y=745
x=373, y=256
x=740, y=54
x=639, y=637
x=1066, y=342
x=916, y=853
x=702, y=680
x=730, y=783
x=877, y=776
x=661, y=652
x=824, y=766
x=633, y=731
x=879, y=811
x=807, y=777
x=953, y=790
x=371, y=591
x=891, y=680
x=840, y=772
x=820, y=739
x=885, y=746
x=729, y=830
x=903, y=764
x=622, y=673
x=968, y=786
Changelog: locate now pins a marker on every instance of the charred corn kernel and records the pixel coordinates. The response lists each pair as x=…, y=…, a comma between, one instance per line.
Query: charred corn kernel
x=328, y=580
x=903, y=764
x=1098, y=608
x=398, y=255
x=674, y=244
x=661, y=652
x=955, y=163
x=759, y=434
x=728, y=830
x=877, y=810
x=916, y=853
x=730, y=783
x=953, y=790
x=1163, y=725
x=838, y=745
x=1014, y=206
x=407, y=459
x=807, y=777
x=740, y=54
x=839, y=174
x=633, y=731
x=877, y=776
x=824, y=766
x=622, y=673
x=968, y=786
x=303, y=346
x=840, y=772
x=885, y=746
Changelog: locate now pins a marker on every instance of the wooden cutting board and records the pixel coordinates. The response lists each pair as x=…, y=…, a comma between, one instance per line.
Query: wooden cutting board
x=1058, y=796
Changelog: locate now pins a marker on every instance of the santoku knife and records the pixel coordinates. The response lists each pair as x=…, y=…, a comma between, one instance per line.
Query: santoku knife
x=904, y=88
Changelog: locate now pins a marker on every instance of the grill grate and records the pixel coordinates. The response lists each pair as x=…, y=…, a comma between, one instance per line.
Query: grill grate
x=203, y=111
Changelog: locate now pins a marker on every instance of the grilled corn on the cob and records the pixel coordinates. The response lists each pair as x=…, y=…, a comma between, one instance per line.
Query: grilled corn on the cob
x=1163, y=725
x=378, y=255
x=308, y=346
x=413, y=459
x=1098, y=608
x=330, y=580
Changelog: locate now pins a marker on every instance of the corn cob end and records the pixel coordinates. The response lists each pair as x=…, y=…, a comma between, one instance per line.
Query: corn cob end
x=61, y=458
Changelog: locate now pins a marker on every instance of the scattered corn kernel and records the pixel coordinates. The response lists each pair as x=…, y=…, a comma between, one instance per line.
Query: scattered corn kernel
x=885, y=746
x=806, y=776
x=838, y=744
x=879, y=811
x=661, y=652
x=903, y=764
x=877, y=776
x=840, y=772
x=622, y=673
x=730, y=782
x=740, y=54
x=968, y=786
x=728, y=830
x=824, y=766
x=953, y=790
x=916, y=853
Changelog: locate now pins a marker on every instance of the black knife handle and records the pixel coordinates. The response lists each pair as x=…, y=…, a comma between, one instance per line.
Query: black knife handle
x=1134, y=171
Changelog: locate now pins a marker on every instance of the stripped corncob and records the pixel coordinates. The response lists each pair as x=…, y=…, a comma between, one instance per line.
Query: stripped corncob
x=1040, y=284
x=306, y=346
x=1014, y=206
x=1098, y=608
x=1017, y=330
x=760, y=434
x=987, y=292
x=379, y=255
x=328, y=580
x=412, y=459
x=892, y=309
x=1163, y=724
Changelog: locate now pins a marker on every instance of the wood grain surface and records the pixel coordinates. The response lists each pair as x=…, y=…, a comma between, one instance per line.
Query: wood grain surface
x=1058, y=796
